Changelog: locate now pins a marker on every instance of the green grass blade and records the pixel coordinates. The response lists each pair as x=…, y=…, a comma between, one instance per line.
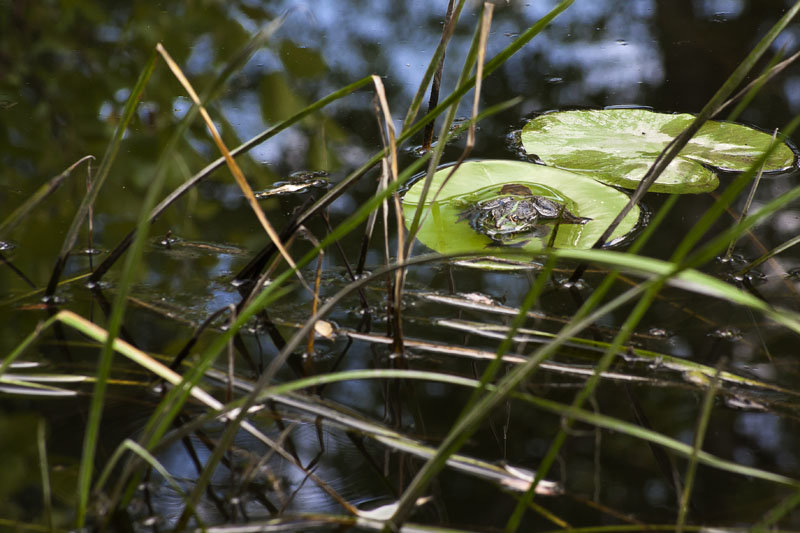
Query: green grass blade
x=102, y=174
x=770, y=254
x=26, y=342
x=530, y=300
x=433, y=65
x=219, y=162
x=697, y=446
x=37, y=197
x=687, y=279
x=454, y=97
x=728, y=196
x=127, y=275
x=160, y=422
x=557, y=408
x=711, y=107
x=44, y=471
x=146, y=456
x=757, y=85
x=786, y=506
x=638, y=313
x=649, y=435
x=438, y=149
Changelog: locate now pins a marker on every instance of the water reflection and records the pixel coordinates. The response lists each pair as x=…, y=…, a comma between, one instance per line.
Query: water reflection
x=268, y=482
x=719, y=10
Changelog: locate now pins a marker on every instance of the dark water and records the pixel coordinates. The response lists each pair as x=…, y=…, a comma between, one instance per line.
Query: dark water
x=65, y=73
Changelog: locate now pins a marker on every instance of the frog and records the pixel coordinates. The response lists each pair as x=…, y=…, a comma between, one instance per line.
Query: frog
x=516, y=213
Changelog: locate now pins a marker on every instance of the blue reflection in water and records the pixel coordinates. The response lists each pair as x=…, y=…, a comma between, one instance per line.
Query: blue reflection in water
x=729, y=9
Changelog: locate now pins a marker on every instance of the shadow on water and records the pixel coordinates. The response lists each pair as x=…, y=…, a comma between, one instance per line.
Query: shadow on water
x=66, y=74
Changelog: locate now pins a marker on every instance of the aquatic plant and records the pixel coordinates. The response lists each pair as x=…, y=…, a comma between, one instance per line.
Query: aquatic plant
x=618, y=146
x=447, y=230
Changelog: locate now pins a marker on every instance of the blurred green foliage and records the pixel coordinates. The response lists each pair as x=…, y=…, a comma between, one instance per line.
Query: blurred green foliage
x=66, y=68
x=18, y=462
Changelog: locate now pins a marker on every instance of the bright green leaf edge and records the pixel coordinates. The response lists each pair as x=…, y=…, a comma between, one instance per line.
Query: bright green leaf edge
x=617, y=146
x=443, y=232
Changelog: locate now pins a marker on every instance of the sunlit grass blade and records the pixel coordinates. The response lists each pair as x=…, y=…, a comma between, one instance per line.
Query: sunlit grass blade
x=237, y=173
x=139, y=357
x=123, y=289
x=209, y=94
x=687, y=279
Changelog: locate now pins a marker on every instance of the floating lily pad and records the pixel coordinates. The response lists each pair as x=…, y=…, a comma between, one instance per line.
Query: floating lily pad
x=586, y=208
x=617, y=146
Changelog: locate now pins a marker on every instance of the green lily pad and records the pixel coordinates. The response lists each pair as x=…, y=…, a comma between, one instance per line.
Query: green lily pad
x=617, y=146
x=447, y=230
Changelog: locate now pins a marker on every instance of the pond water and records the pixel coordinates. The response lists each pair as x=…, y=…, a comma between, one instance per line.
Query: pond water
x=67, y=71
